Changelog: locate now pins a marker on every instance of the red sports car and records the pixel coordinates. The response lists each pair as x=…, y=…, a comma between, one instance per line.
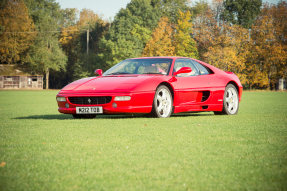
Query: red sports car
x=158, y=86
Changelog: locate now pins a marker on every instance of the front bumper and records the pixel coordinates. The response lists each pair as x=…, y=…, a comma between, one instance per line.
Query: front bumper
x=140, y=103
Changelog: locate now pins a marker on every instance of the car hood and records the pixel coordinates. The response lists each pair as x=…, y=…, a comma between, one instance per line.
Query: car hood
x=122, y=83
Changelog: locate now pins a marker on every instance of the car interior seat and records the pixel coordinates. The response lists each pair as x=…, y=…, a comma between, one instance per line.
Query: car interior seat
x=151, y=69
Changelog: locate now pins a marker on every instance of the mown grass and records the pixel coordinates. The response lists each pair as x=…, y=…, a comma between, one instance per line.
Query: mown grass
x=45, y=150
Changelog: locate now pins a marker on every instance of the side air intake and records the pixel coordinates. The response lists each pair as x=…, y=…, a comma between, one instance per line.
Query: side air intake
x=205, y=96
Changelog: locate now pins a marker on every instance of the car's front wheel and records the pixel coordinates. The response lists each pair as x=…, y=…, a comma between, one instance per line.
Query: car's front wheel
x=230, y=101
x=84, y=116
x=162, y=103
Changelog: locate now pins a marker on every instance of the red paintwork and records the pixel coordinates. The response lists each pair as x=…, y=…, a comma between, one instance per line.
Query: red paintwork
x=98, y=72
x=187, y=91
x=183, y=70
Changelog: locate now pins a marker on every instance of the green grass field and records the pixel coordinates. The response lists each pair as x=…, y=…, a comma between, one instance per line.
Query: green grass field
x=46, y=150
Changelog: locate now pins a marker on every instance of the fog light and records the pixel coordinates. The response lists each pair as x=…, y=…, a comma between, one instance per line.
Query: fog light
x=122, y=98
x=61, y=99
x=67, y=105
x=115, y=105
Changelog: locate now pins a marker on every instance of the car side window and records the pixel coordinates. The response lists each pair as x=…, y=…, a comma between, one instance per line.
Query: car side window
x=202, y=69
x=179, y=63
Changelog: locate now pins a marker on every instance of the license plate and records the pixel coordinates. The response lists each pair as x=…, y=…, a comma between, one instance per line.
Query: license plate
x=89, y=110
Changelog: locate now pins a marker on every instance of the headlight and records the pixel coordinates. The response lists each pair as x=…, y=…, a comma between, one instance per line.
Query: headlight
x=122, y=98
x=61, y=99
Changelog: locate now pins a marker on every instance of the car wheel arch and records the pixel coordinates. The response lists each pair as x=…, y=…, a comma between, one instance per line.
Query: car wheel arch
x=235, y=84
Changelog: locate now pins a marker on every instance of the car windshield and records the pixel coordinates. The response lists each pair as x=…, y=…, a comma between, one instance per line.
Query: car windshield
x=141, y=66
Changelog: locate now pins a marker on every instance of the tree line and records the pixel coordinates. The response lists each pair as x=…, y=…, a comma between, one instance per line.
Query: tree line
x=244, y=36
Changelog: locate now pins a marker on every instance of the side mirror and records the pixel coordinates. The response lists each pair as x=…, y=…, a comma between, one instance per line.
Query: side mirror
x=99, y=72
x=183, y=70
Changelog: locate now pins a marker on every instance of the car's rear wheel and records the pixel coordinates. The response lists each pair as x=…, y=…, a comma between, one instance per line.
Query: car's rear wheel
x=84, y=116
x=230, y=101
x=162, y=103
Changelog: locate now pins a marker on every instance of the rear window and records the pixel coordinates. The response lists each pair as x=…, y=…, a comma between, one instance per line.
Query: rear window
x=203, y=70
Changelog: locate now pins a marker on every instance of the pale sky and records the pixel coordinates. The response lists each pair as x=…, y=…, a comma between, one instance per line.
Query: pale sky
x=108, y=8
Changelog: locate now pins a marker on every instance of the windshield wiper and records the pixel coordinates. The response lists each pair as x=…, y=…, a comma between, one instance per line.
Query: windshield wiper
x=116, y=73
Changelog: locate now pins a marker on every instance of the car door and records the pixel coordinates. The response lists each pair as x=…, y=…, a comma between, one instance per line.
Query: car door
x=190, y=87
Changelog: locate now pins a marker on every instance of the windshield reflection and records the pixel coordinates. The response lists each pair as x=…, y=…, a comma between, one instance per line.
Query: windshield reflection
x=141, y=66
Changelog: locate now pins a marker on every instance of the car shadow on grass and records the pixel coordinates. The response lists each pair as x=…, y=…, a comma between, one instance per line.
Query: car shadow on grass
x=49, y=117
x=69, y=117
x=192, y=114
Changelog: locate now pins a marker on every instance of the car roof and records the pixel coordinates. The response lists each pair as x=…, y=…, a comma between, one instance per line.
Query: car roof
x=214, y=69
x=170, y=57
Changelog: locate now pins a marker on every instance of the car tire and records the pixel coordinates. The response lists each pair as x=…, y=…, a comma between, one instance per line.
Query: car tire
x=162, y=103
x=230, y=101
x=84, y=116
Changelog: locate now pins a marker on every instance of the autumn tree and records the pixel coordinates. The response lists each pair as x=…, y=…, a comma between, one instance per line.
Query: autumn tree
x=241, y=12
x=97, y=28
x=129, y=32
x=74, y=42
x=279, y=15
x=268, y=50
x=2, y=4
x=46, y=54
x=17, y=32
x=170, y=8
x=256, y=55
x=219, y=43
x=199, y=7
x=69, y=17
x=44, y=57
x=161, y=42
x=229, y=50
x=184, y=43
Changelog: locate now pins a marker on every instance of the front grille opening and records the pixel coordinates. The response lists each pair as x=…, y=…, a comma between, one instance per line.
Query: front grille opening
x=90, y=100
